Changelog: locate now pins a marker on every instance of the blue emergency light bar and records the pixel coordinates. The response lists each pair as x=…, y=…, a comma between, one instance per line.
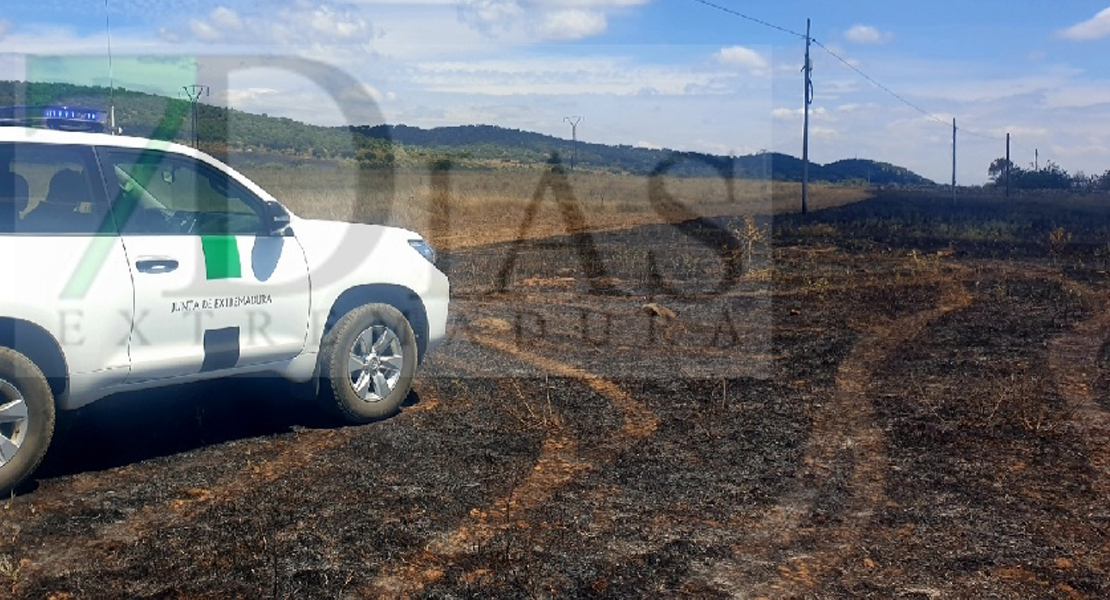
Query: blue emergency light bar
x=64, y=118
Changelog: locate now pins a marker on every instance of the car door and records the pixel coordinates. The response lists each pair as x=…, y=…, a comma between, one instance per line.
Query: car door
x=214, y=290
x=63, y=266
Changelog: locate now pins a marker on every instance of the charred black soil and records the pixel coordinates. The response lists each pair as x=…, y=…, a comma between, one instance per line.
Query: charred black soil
x=863, y=410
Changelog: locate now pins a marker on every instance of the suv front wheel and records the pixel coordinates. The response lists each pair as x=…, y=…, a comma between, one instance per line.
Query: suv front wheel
x=368, y=360
x=26, y=418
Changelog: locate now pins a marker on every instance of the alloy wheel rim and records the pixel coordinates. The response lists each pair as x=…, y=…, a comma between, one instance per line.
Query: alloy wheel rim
x=13, y=421
x=374, y=363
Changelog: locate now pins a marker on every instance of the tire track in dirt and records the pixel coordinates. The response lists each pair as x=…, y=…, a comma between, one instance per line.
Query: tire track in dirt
x=282, y=457
x=293, y=455
x=845, y=437
x=1073, y=360
x=558, y=464
x=290, y=455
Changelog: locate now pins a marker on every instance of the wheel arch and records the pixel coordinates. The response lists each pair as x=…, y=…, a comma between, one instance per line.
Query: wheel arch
x=402, y=298
x=40, y=347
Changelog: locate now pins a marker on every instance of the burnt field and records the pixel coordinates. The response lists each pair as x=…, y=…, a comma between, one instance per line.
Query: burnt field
x=897, y=398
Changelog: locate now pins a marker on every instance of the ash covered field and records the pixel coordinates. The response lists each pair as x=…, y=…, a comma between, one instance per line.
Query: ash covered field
x=870, y=407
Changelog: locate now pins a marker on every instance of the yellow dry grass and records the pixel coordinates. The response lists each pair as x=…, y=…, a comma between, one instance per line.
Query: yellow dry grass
x=466, y=208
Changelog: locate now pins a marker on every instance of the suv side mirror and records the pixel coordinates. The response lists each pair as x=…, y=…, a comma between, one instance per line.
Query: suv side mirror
x=278, y=219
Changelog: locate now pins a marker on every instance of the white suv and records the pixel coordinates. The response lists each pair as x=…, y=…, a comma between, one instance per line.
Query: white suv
x=129, y=263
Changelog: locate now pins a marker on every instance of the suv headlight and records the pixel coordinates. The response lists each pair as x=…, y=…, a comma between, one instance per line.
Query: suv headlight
x=425, y=249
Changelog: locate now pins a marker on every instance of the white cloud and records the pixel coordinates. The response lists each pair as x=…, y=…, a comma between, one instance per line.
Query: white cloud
x=1077, y=95
x=823, y=133
x=490, y=16
x=599, y=4
x=204, y=31
x=343, y=26
x=168, y=35
x=866, y=34
x=555, y=75
x=1022, y=131
x=1050, y=87
x=252, y=96
x=741, y=57
x=408, y=3
x=4, y=27
x=573, y=24
x=856, y=107
x=553, y=20
x=1094, y=28
x=226, y=19
x=798, y=113
x=298, y=24
x=278, y=92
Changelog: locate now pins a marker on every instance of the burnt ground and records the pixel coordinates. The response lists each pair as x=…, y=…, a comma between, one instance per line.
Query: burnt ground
x=869, y=410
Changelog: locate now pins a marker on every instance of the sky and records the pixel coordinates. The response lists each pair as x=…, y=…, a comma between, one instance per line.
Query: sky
x=888, y=77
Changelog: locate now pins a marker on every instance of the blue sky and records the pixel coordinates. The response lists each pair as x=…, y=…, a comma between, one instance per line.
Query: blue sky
x=660, y=73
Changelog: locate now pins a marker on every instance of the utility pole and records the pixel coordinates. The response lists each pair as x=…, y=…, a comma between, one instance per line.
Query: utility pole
x=953, y=159
x=194, y=93
x=808, y=99
x=1007, y=165
x=111, y=74
x=574, y=121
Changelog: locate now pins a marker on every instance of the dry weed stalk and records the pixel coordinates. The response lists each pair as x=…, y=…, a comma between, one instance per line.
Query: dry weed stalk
x=1058, y=240
x=750, y=234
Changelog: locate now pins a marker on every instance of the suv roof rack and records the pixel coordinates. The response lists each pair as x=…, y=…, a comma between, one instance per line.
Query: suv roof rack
x=63, y=118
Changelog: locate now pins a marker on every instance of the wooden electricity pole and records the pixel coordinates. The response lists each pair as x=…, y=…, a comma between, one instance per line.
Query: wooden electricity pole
x=808, y=99
x=1007, y=165
x=953, y=159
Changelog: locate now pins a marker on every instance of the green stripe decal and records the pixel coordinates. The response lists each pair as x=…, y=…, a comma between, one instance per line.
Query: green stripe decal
x=221, y=257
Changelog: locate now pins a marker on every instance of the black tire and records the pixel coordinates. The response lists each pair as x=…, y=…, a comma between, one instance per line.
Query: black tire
x=21, y=382
x=395, y=363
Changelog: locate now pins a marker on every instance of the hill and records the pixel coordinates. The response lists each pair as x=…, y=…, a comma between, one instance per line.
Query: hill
x=223, y=130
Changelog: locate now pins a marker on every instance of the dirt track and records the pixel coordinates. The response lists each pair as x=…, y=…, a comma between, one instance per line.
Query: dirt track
x=879, y=420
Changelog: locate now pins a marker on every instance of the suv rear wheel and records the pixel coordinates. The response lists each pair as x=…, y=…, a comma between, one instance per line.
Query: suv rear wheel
x=26, y=418
x=368, y=361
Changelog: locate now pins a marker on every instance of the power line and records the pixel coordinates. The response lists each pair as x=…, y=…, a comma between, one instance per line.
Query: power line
x=879, y=85
x=750, y=18
x=858, y=71
x=894, y=94
x=986, y=136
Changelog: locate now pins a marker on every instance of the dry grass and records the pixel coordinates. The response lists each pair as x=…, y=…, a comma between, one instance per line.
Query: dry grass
x=466, y=208
x=787, y=197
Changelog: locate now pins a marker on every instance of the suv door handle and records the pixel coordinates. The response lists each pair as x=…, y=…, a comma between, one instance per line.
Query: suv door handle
x=154, y=266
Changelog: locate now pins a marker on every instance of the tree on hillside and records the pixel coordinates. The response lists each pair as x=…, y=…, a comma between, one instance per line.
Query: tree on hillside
x=997, y=171
x=1048, y=177
x=1083, y=182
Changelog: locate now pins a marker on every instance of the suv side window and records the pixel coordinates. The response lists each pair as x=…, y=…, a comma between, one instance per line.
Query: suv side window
x=160, y=193
x=49, y=189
